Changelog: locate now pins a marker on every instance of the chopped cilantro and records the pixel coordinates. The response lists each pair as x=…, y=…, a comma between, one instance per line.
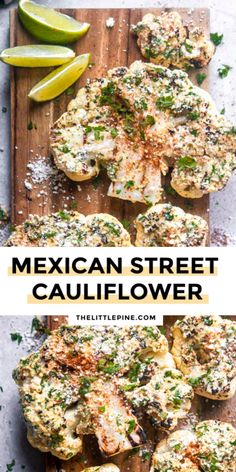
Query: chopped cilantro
x=150, y=331
x=102, y=409
x=3, y=216
x=73, y=205
x=108, y=367
x=186, y=162
x=55, y=440
x=208, y=321
x=16, y=337
x=129, y=184
x=63, y=215
x=140, y=104
x=114, y=132
x=216, y=38
x=149, y=120
x=70, y=91
x=194, y=381
x=200, y=78
x=84, y=386
x=131, y=426
x=35, y=325
x=65, y=149
x=146, y=455
x=96, y=181
x=188, y=47
x=168, y=216
x=11, y=465
x=129, y=387
x=232, y=130
x=177, y=447
x=49, y=235
x=224, y=70
x=126, y=223
x=193, y=115
x=165, y=102
x=134, y=372
x=170, y=190
x=31, y=126
x=168, y=373
x=177, y=398
x=113, y=229
x=96, y=130
x=222, y=111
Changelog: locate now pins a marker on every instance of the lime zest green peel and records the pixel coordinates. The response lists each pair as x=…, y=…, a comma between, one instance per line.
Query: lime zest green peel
x=48, y=25
x=37, y=55
x=60, y=79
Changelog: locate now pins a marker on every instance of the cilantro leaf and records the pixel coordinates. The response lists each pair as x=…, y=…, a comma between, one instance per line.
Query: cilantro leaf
x=216, y=38
x=200, y=78
x=224, y=70
x=16, y=337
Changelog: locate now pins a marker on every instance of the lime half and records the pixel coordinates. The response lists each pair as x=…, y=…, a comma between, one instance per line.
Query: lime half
x=59, y=80
x=37, y=55
x=49, y=25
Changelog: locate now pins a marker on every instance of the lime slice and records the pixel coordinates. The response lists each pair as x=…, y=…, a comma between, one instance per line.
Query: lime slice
x=49, y=25
x=60, y=79
x=37, y=55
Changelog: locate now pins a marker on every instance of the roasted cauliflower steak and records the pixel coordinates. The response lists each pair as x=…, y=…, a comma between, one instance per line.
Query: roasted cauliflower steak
x=166, y=41
x=95, y=380
x=70, y=228
x=167, y=225
x=211, y=447
x=103, y=468
x=204, y=350
x=138, y=123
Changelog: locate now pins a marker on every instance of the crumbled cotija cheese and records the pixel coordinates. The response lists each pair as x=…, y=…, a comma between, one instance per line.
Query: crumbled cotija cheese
x=110, y=22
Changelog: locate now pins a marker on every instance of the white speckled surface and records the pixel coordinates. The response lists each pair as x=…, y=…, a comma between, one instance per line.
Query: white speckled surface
x=13, y=444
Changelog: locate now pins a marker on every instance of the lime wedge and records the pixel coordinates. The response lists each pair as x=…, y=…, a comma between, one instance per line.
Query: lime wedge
x=37, y=55
x=60, y=79
x=49, y=25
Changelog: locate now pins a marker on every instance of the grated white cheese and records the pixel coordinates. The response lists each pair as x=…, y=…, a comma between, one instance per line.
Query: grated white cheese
x=28, y=185
x=110, y=22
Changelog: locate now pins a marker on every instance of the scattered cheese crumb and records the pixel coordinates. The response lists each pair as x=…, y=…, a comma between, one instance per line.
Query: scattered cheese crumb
x=110, y=22
x=28, y=185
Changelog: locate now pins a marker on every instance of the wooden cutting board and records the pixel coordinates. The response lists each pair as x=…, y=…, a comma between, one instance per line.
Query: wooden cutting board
x=109, y=48
x=202, y=409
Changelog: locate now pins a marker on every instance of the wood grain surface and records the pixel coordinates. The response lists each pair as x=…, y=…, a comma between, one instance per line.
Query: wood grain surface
x=202, y=409
x=109, y=48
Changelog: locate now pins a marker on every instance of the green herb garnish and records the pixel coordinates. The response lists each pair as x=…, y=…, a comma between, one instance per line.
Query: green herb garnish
x=131, y=427
x=11, y=465
x=65, y=149
x=200, y=78
x=224, y=70
x=129, y=184
x=96, y=181
x=186, y=162
x=216, y=38
x=16, y=337
x=165, y=102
